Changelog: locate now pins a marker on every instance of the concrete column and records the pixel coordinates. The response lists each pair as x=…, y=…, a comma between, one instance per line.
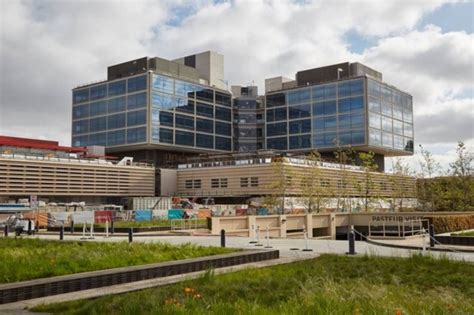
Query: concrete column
x=252, y=221
x=332, y=225
x=309, y=224
x=216, y=226
x=283, y=226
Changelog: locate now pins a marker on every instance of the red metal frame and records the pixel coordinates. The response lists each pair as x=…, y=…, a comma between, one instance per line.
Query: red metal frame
x=38, y=144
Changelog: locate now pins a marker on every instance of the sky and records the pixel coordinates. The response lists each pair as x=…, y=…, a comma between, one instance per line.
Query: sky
x=425, y=48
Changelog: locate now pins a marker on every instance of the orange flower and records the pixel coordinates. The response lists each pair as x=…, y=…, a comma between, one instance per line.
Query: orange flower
x=398, y=312
x=188, y=290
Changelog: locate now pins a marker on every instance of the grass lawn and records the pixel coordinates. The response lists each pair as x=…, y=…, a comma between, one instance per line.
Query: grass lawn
x=471, y=233
x=329, y=284
x=127, y=224
x=25, y=259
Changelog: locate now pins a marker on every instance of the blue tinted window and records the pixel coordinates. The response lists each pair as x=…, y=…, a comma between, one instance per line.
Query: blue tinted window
x=344, y=105
x=205, y=95
x=407, y=115
x=276, y=129
x=374, y=105
x=80, y=141
x=387, y=109
x=136, y=118
x=280, y=114
x=318, y=140
x=374, y=88
x=330, y=139
x=166, y=119
x=184, y=138
x=299, y=111
x=277, y=99
x=329, y=107
x=300, y=142
x=223, y=143
x=80, y=111
x=136, y=101
x=330, y=122
x=300, y=126
x=136, y=135
x=223, y=114
x=117, y=88
x=116, y=121
x=116, y=137
x=330, y=91
x=318, y=124
x=357, y=87
x=98, y=92
x=204, y=141
x=81, y=126
x=375, y=121
x=318, y=92
x=358, y=137
x=98, y=108
x=185, y=89
x=204, y=110
x=344, y=89
x=277, y=143
x=80, y=96
x=357, y=120
x=116, y=104
x=162, y=101
x=357, y=103
x=386, y=93
x=98, y=139
x=166, y=135
x=299, y=96
x=163, y=84
x=318, y=109
x=270, y=115
x=136, y=84
x=204, y=125
x=223, y=129
x=185, y=122
x=344, y=121
x=345, y=138
x=155, y=116
x=98, y=124
x=223, y=99
x=184, y=105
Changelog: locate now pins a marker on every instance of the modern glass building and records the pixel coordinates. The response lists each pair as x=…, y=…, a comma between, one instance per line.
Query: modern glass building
x=357, y=111
x=153, y=110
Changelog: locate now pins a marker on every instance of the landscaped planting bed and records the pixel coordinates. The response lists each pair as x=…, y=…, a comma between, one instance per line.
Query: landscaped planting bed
x=327, y=285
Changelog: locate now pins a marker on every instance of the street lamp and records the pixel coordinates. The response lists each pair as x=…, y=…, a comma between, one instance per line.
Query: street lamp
x=339, y=70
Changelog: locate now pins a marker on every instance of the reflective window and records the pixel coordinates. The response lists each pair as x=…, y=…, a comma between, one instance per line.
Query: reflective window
x=270, y=115
x=375, y=121
x=223, y=114
x=407, y=130
x=116, y=137
x=407, y=116
x=300, y=111
x=330, y=91
x=245, y=104
x=135, y=101
x=277, y=143
x=345, y=138
x=398, y=142
x=155, y=116
x=81, y=126
x=344, y=105
x=387, y=139
x=407, y=101
x=117, y=88
x=136, y=135
x=163, y=84
x=387, y=109
x=397, y=127
x=344, y=121
x=98, y=139
x=223, y=99
x=375, y=137
x=80, y=96
x=185, y=89
x=116, y=104
x=299, y=96
x=325, y=108
x=276, y=129
x=223, y=129
x=386, y=93
x=387, y=124
x=98, y=108
x=318, y=124
x=223, y=144
x=300, y=126
x=204, y=110
x=204, y=125
x=357, y=120
x=205, y=95
x=358, y=137
x=330, y=123
x=204, y=141
x=374, y=88
x=184, y=105
x=166, y=135
x=357, y=87
x=277, y=99
x=97, y=124
x=80, y=111
x=80, y=141
x=396, y=97
x=98, y=92
x=280, y=114
x=374, y=105
x=397, y=112
x=344, y=89
x=136, y=84
x=185, y=122
x=351, y=104
x=136, y=118
x=324, y=139
x=116, y=121
x=166, y=119
x=300, y=142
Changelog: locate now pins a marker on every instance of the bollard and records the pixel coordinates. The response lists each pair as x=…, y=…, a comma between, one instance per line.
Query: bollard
x=61, y=233
x=258, y=236
x=222, y=238
x=130, y=235
x=432, y=234
x=29, y=227
x=106, y=228
x=6, y=230
x=424, y=240
x=268, y=238
x=91, y=237
x=112, y=227
x=72, y=226
x=306, y=248
x=37, y=227
x=83, y=231
x=253, y=241
x=351, y=243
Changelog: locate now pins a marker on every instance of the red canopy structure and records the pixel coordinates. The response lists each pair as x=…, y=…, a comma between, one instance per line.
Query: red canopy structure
x=38, y=144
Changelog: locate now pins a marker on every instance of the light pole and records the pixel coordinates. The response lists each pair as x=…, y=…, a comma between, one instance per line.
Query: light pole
x=339, y=70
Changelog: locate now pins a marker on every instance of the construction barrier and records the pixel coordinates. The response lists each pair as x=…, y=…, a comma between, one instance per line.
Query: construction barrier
x=204, y=213
x=103, y=215
x=160, y=214
x=42, y=219
x=240, y=212
x=143, y=215
x=262, y=211
x=175, y=214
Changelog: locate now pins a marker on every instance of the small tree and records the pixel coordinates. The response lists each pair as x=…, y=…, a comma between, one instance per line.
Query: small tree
x=280, y=185
x=369, y=166
x=343, y=156
x=313, y=192
x=461, y=188
x=427, y=188
x=400, y=171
